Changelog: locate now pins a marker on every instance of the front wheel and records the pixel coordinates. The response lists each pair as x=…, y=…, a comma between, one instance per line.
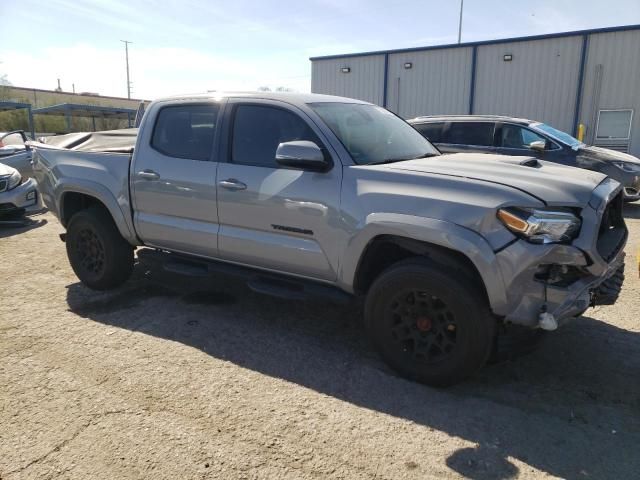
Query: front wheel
x=429, y=322
x=98, y=254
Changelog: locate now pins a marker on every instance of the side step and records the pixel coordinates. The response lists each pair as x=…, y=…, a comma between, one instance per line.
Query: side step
x=266, y=283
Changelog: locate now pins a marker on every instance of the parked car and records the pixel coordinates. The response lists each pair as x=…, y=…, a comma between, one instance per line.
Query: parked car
x=17, y=193
x=517, y=136
x=313, y=195
x=15, y=153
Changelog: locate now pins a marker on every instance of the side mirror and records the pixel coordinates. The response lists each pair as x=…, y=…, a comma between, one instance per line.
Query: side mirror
x=538, y=145
x=303, y=155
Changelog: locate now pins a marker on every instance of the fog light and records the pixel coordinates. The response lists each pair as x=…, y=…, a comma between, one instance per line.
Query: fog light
x=31, y=195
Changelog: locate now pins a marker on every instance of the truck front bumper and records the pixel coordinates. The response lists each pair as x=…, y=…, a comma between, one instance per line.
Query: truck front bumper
x=18, y=200
x=564, y=280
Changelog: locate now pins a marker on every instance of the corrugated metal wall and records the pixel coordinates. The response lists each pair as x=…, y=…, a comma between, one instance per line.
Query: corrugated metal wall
x=612, y=80
x=539, y=83
x=364, y=82
x=438, y=82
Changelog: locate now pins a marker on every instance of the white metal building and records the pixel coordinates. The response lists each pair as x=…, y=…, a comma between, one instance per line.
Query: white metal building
x=589, y=77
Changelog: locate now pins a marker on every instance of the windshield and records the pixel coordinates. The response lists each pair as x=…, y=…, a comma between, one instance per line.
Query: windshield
x=558, y=135
x=372, y=134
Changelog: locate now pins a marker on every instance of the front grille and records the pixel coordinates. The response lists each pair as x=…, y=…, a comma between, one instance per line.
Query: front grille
x=612, y=234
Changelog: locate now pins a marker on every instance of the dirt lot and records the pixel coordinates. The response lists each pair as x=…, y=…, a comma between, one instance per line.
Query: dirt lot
x=166, y=378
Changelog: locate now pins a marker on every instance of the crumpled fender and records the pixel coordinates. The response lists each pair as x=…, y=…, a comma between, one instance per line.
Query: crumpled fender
x=438, y=232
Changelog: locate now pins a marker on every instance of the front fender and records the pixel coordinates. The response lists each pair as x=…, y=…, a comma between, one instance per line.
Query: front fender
x=121, y=217
x=433, y=231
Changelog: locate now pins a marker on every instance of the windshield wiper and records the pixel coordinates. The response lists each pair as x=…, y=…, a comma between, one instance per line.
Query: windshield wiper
x=394, y=160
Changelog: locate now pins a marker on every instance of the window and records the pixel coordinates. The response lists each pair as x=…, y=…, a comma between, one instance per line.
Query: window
x=185, y=131
x=514, y=136
x=470, y=133
x=430, y=131
x=258, y=130
x=614, y=124
x=13, y=139
x=372, y=134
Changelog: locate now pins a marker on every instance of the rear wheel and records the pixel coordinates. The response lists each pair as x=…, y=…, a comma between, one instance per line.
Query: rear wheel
x=98, y=254
x=429, y=322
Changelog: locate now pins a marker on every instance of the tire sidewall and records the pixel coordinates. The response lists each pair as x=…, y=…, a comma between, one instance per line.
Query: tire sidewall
x=475, y=326
x=118, y=254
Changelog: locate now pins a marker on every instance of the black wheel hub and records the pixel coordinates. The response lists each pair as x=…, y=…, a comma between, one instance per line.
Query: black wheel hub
x=422, y=325
x=90, y=251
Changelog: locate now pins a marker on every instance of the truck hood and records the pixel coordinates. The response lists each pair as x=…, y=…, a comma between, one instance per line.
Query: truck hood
x=549, y=182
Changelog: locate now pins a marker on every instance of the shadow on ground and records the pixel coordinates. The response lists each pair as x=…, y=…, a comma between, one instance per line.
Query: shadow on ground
x=571, y=408
x=10, y=227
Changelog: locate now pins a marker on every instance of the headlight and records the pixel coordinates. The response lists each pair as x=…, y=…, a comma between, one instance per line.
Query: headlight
x=539, y=225
x=14, y=180
x=629, y=167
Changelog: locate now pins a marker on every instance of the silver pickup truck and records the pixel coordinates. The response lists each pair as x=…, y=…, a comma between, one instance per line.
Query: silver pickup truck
x=318, y=195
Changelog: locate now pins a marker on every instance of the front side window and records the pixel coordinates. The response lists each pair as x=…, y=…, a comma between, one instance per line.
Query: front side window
x=470, y=133
x=185, y=131
x=372, y=134
x=430, y=131
x=258, y=130
x=514, y=136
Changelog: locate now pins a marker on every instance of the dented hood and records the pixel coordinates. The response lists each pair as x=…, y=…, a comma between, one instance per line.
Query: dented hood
x=549, y=182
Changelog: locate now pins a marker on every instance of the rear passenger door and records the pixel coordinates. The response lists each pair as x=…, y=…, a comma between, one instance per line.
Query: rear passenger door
x=468, y=137
x=173, y=178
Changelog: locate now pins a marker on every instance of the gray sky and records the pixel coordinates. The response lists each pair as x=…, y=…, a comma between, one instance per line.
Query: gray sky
x=198, y=45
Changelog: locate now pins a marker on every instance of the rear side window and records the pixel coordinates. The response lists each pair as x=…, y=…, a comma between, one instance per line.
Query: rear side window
x=258, y=130
x=470, y=133
x=430, y=131
x=185, y=131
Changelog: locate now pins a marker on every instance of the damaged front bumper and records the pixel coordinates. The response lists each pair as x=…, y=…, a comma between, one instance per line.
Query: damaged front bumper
x=548, y=284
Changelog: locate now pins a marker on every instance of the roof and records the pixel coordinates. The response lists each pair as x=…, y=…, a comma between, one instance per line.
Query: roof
x=475, y=118
x=6, y=106
x=79, y=110
x=621, y=28
x=288, y=97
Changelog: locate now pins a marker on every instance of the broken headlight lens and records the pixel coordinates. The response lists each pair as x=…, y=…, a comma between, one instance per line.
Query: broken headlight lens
x=540, y=225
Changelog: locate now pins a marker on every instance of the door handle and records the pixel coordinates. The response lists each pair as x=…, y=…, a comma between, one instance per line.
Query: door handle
x=148, y=175
x=232, y=184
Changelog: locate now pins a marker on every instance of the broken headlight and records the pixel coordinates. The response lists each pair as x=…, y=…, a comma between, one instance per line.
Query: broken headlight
x=540, y=225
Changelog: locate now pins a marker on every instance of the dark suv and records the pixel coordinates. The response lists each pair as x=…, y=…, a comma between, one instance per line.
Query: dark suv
x=517, y=136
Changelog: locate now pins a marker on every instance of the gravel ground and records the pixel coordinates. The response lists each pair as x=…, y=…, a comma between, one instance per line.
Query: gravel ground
x=167, y=378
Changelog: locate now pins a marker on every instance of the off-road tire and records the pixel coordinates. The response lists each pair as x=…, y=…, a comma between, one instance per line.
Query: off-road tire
x=100, y=257
x=451, y=308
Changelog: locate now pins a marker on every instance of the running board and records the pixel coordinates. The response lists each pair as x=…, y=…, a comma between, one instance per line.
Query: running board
x=266, y=283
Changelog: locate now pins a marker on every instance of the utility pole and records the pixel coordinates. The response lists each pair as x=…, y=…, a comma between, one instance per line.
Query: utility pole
x=126, y=52
x=460, y=22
